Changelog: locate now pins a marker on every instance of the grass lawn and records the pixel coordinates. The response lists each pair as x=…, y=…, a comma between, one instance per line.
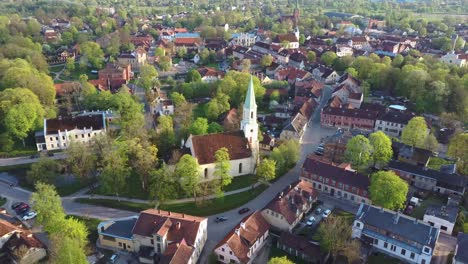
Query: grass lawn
x=240, y=182
x=435, y=163
x=75, y=74
x=276, y=252
x=71, y=188
x=2, y=201
x=213, y=65
x=431, y=200
x=379, y=258
x=56, y=68
x=91, y=225
x=132, y=189
x=210, y=207
x=349, y=217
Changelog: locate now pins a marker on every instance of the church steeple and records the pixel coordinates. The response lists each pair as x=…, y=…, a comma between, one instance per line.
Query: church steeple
x=296, y=14
x=249, y=118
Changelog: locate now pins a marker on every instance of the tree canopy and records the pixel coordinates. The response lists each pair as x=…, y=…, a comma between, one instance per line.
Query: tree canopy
x=415, y=132
x=358, y=151
x=381, y=148
x=388, y=190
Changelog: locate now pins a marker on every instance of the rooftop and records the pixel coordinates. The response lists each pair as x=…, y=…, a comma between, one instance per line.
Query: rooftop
x=119, y=228
x=462, y=244
x=96, y=122
x=448, y=213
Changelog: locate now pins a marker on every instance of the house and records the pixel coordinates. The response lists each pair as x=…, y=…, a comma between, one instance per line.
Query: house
x=244, y=39
x=239, y=52
x=209, y=75
x=288, y=208
x=411, y=155
x=242, y=145
x=156, y=236
x=297, y=60
x=428, y=179
x=362, y=118
x=261, y=47
x=161, y=106
x=59, y=132
x=301, y=248
x=268, y=142
x=136, y=59
x=349, y=95
x=461, y=254
x=442, y=217
x=360, y=43
x=325, y=74
x=335, y=146
x=452, y=58
x=392, y=122
x=336, y=180
x=288, y=40
x=342, y=51
x=245, y=240
x=50, y=35
x=310, y=88
x=114, y=75
x=300, y=121
x=16, y=238
x=395, y=234
x=190, y=41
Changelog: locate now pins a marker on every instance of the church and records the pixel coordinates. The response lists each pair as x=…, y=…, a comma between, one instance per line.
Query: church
x=242, y=145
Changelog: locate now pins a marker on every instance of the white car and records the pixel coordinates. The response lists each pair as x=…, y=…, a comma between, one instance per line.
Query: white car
x=311, y=221
x=29, y=215
x=326, y=213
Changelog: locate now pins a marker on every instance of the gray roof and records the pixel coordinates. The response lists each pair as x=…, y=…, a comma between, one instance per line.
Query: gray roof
x=448, y=213
x=120, y=228
x=398, y=226
x=462, y=243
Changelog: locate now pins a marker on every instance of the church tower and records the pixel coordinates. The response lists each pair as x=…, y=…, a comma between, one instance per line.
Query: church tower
x=249, y=119
x=296, y=14
x=297, y=33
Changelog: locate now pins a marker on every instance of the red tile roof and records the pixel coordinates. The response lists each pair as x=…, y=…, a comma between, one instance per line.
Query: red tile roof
x=186, y=41
x=245, y=234
x=177, y=253
x=205, y=146
x=292, y=199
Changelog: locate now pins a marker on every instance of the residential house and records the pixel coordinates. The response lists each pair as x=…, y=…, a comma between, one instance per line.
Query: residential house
x=136, y=59
x=244, y=39
x=50, y=35
x=268, y=142
x=239, y=52
x=59, y=132
x=301, y=248
x=442, y=217
x=362, y=118
x=297, y=60
x=376, y=24
x=339, y=181
x=349, y=95
x=428, y=179
x=282, y=57
x=162, y=106
x=395, y=234
x=191, y=41
x=453, y=58
x=287, y=209
x=310, y=88
x=292, y=75
x=245, y=240
x=411, y=155
x=209, y=75
x=15, y=238
x=392, y=122
x=325, y=74
x=262, y=47
x=300, y=121
x=114, y=75
x=360, y=43
x=461, y=254
x=342, y=51
x=242, y=144
x=288, y=40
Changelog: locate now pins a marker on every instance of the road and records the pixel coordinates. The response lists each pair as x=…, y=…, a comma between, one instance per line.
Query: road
x=26, y=160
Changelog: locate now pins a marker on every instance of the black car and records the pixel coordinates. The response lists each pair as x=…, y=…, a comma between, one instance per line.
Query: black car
x=220, y=219
x=16, y=205
x=23, y=210
x=244, y=210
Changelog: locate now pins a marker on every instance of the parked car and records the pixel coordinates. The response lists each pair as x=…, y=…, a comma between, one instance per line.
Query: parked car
x=244, y=210
x=221, y=219
x=21, y=207
x=326, y=213
x=409, y=210
x=319, y=152
x=318, y=210
x=29, y=215
x=311, y=221
x=16, y=205
x=23, y=210
x=113, y=258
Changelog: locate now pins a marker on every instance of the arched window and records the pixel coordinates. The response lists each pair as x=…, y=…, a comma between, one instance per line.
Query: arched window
x=206, y=172
x=251, y=114
x=240, y=167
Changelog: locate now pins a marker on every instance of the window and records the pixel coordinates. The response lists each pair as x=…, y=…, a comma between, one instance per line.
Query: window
x=82, y=135
x=340, y=185
x=206, y=172
x=403, y=252
x=412, y=255
x=376, y=241
x=63, y=137
x=427, y=250
x=159, y=248
x=358, y=224
x=76, y=136
x=423, y=261
x=240, y=167
x=158, y=238
x=222, y=249
x=120, y=244
x=152, y=241
x=52, y=145
x=326, y=188
x=230, y=252
x=393, y=248
x=443, y=228
x=56, y=138
x=345, y=195
x=385, y=245
x=251, y=114
x=51, y=138
x=352, y=197
x=89, y=134
x=221, y=256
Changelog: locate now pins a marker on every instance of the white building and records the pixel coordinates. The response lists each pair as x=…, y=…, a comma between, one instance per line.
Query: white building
x=443, y=217
x=58, y=133
x=244, y=242
x=459, y=60
x=395, y=234
x=244, y=39
x=242, y=145
x=392, y=122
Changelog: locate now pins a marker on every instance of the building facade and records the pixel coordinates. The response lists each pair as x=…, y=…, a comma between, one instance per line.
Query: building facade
x=442, y=217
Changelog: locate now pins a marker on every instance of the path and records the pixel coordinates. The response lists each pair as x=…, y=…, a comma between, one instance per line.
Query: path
x=26, y=159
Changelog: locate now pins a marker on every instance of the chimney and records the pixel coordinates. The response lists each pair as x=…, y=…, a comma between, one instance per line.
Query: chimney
x=169, y=213
x=242, y=225
x=237, y=231
x=178, y=225
x=183, y=215
x=381, y=209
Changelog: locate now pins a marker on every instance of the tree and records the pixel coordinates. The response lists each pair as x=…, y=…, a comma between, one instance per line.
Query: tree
x=178, y=99
x=214, y=127
x=388, y=190
x=311, y=56
x=166, y=138
x=148, y=75
x=45, y=170
x=81, y=160
x=199, y=126
x=280, y=260
x=70, y=64
x=458, y=148
x=93, y=53
x=159, y=52
x=358, y=151
x=143, y=158
x=335, y=235
x=415, y=132
x=68, y=246
x=193, y=76
x=217, y=106
x=222, y=168
x=181, y=52
x=46, y=202
x=381, y=146
x=266, y=170
x=235, y=85
x=245, y=65
x=162, y=186
x=430, y=142
x=328, y=57
x=165, y=63
x=187, y=171
x=266, y=60
x=115, y=171
x=285, y=155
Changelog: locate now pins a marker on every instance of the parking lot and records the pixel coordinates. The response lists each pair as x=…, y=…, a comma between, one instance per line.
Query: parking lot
x=308, y=228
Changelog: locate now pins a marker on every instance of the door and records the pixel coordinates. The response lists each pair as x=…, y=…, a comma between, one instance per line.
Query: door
x=332, y=192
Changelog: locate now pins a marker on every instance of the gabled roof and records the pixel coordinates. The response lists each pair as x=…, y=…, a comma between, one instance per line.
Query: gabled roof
x=95, y=121
x=244, y=235
x=177, y=253
x=301, y=244
x=289, y=37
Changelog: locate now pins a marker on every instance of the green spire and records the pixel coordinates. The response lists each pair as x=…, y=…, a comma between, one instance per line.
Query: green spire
x=250, y=98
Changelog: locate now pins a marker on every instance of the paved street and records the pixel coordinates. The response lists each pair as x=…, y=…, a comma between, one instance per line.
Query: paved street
x=26, y=160
x=445, y=245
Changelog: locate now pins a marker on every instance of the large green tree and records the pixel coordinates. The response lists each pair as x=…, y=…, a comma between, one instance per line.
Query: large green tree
x=148, y=75
x=235, y=85
x=193, y=76
x=81, y=160
x=222, y=167
x=328, y=57
x=162, y=184
x=45, y=170
x=266, y=170
x=92, y=53
x=458, y=148
x=415, y=132
x=46, y=202
x=388, y=190
x=115, y=170
x=280, y=260
x=358, y=151
x=187, y=171
x=381, y=148
x=199, y=126
x=142, y=156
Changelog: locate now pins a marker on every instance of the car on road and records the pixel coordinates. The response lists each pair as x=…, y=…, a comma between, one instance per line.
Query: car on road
x=318, y=211
x=16, y=205
x=244, y=210
x=219, y=219
x=326, y=213
x=114, y=258
x=29, y=215
x=311, y=221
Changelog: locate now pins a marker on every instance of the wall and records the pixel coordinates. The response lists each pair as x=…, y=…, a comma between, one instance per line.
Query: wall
x=115, y=243
x=63, y=138
x=276, y=220
x=226, y=252
x=248, y=166
x=339, y=192
x=438, y=222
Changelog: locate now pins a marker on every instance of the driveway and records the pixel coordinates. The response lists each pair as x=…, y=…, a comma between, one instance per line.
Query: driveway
x=445, y=245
